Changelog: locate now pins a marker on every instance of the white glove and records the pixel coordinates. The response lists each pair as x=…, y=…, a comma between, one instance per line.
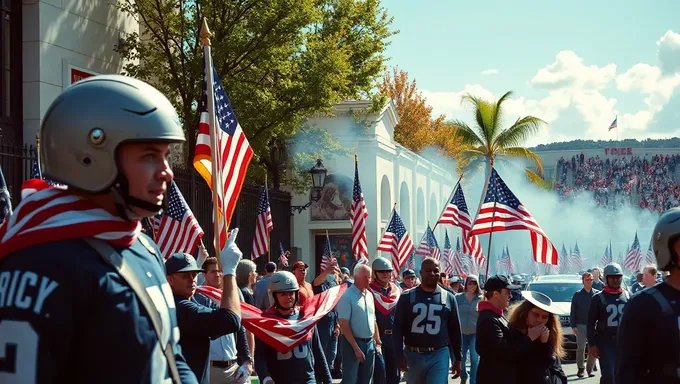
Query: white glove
x=242, y=374
x=230, y=255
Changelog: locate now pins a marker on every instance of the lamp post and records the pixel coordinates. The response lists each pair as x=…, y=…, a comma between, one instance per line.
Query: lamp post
x=318, y=174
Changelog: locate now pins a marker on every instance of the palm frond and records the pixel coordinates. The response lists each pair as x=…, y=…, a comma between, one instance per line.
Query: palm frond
x=467, y=135
x=518, y=133
x=484, y=113
x=538, y=180
x=498, y=116
x=524, y=153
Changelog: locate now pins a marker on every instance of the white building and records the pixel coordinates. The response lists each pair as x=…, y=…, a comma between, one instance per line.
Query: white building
x=389, y=173
x=48, y=45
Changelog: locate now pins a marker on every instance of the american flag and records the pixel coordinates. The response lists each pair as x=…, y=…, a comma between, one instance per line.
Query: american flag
x=447, y=254
x=397, y=242
x=36, y=173
x=178, y=230
x=456, y=258
x=607, y=257
x=650, y=259
x=234, y=152
x=634, y=256
x=577, y=258
x=263, y=226
x=456, y=213
x=279, y=333
x=502, y=211
x=504, y=263
x=51, y=214
x=358, y=219
x=284, y=255
x=327, y=258
x=428, y=247
x=5, y=200
x=565, y=257
x=614, y=123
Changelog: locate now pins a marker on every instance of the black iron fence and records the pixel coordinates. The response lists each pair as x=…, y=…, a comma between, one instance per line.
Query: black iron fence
x=17, y=163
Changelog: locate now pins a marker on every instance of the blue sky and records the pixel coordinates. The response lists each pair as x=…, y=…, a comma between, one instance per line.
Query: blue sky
x=575, y=64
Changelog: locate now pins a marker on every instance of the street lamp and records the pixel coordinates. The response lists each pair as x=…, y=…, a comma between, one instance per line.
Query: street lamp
x=318, y=173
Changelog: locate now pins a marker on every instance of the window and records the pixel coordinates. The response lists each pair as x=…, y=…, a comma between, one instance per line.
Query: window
x=10, y=71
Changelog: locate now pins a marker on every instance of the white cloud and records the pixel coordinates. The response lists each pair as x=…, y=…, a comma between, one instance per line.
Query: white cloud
x=569, y=71
x=491, y=71
x=669, y=52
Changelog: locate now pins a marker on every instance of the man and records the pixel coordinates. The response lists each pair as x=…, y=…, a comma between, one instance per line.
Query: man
x=107, y=138
x=386, y=295
x=637, y=285
x=230, y=355
x=580, y=305
x=346, y=277
x=425, y=324
x=260, y=291
x=356, y=313
x=198, y=324
x=649, y=276
x=328, y=326
x=604, y=315
x=648, y=342
x=408, y=278
x=597, y=283
x=300, y=272
x=499, y=354
x=305, y=363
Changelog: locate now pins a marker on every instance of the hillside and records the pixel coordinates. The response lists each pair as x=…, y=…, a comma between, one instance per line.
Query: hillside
x=591, y=144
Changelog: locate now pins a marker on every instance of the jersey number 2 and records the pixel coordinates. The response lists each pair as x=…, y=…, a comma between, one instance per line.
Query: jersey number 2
x=434, y=322
x=614, y=312
x=18, y=352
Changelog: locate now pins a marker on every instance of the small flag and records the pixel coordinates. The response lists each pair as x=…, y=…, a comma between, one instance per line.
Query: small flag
x=358, y=218
x=634, y=256
x=429, y=246
x=263, y=226
x=327, y=258
x=283, y=257
x=178, y=230
x=613, y=124
x=397, y=242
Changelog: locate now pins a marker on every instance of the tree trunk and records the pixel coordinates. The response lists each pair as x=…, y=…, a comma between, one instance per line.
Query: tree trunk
x=489, y=166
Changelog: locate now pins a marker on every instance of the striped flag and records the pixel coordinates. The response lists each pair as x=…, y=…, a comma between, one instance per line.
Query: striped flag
x=447, y=254
x=36, y=173
x=650, y=259
x=358, y=219
x=429, y=246
x=565, y=266
x=607, y=257
x=504, y=263
x=284, y=255
x=233, y=150
x=397, y=242
x=5, y=200
x=456, y=213
x=263, y=225
x=327, y=258
x=577, y=258
x=178, y=230
x=614, y=124
x=455, y=258
x=634, y=256
x=502, y=211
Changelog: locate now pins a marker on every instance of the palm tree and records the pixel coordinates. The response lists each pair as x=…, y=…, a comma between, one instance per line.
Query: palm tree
x=486, y=140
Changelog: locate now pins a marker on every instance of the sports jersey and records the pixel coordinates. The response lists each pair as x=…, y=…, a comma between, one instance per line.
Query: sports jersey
x=648, y=342
x=423, y=320
x=297, y=366
x=604, y=316
x=70, y=317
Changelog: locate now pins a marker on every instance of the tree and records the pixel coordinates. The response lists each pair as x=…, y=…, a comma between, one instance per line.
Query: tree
x=486, y=141
x=416, y=128
x=280, y=61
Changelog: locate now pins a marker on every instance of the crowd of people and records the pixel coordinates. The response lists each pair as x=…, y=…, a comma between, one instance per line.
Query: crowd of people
x=613, y=182
x=86, y=297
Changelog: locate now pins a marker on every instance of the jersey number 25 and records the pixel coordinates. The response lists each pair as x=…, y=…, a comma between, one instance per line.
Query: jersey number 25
x=427, y=318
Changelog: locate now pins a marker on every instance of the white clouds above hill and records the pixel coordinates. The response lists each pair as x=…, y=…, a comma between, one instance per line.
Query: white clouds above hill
x=579, y=99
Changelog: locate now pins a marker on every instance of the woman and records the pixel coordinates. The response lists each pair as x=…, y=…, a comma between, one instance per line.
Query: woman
x=246, y=276
x=542, y=363
x=467, y=313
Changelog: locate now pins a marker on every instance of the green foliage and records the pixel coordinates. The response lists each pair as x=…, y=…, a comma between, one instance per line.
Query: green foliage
x=280, y=61
x=673, y=142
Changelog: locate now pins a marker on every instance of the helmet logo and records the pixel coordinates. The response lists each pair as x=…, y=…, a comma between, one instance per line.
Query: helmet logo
x=97, y=136
x=288, y=281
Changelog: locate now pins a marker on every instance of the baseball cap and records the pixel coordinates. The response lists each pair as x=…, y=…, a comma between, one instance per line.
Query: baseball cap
x=299, y=264
x=498, y=282
x=408, y=273
x=181, y=262
x=344, y=270
x=270, y=267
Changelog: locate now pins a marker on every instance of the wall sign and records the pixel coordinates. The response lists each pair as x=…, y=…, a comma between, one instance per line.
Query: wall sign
x=618, y=151
x=77, y=74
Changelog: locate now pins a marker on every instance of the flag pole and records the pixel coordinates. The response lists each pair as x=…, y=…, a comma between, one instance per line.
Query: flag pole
x=488, y=262
x=269, y=238
x=375, y=255
x=207, y=56
x=443, y=209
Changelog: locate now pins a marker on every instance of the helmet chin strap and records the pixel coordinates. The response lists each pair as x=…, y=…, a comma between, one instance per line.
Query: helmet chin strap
x=124, y=201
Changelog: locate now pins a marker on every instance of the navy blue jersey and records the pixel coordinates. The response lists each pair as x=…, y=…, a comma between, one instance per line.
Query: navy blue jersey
x=604, y=316
x=297, y=366
x=198, y=324
x=67, y=316
x=385, y=322
x=423, y=321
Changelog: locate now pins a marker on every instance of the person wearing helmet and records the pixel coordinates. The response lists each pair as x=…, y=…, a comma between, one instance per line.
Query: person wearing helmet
x=305, y=363
x=386, y=295
x=606, y=308
x=328, y=326
x=649, y=333
x=80, y=280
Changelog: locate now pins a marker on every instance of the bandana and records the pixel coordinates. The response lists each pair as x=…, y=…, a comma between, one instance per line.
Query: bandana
x=385, y=304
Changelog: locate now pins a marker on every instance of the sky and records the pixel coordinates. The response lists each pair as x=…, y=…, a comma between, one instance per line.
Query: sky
x=577, y=65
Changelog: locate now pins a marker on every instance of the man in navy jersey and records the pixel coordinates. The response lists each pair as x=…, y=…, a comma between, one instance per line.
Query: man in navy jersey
x=386, y=295
x=305, y=363
x=66, y=314
x=425, y=324
x=606, y=308
x=648, y=342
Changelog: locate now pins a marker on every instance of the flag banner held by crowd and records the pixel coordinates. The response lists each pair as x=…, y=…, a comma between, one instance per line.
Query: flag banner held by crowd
x=263, y=226
x=457, y=214
x=50, y=214
x=358, y=218
x=397, y=242
x=283, y=334
x=502, y=211
x=429, y=246
x=385, y=303
x=178, y=229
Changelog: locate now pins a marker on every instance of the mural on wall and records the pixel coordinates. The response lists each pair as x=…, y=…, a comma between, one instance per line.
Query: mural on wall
x=341, y=246
x=336, y=199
